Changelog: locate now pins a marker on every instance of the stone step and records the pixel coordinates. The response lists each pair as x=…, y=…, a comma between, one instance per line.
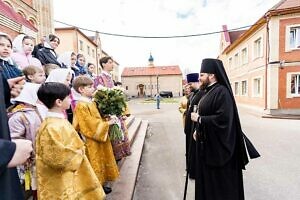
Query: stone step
x=129, y=120
x=124, y=187
x=133, y=129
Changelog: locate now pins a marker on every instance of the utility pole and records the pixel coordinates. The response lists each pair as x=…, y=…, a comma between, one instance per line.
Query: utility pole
x=157, y=91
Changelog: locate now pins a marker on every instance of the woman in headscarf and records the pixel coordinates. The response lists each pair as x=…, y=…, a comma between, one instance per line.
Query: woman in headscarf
x=23, y=46
x=68, y=59
x=47, y=53
x=80, y=65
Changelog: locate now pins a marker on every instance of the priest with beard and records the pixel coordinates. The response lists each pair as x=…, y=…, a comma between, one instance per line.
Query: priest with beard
x=196, y=94
x=221, y=151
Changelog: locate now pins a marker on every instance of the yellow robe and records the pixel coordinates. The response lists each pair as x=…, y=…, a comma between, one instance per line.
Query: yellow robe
x=88, y=121
x=63, y=170
x=127, y=110
x=183, y=107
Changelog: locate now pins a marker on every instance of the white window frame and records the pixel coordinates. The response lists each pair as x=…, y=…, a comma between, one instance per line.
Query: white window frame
x=80, y=45
x=230, y=62
x=88, y=49
x=261, y=86
x=244, y=60
x=238, y=88
x=246, y=94
x=260, y=54
x=288, y=84
x=236, y=60
x=287, y=37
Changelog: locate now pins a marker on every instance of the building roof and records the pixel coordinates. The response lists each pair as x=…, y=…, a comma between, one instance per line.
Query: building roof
x=281, y=8
x=285, y=4
x=79, y=31
x=10, y=13
x=234, y=35
x=151, y=71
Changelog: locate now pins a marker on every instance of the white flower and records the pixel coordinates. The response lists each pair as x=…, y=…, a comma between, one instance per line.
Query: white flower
x=101, y=87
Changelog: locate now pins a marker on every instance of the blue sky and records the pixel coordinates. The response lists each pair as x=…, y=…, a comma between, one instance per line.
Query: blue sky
x=161, y=18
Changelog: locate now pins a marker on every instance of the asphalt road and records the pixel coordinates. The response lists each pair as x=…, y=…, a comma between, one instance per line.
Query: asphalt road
x=274, y=176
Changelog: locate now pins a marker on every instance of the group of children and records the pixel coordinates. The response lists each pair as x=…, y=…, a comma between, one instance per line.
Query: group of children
x=73, y=156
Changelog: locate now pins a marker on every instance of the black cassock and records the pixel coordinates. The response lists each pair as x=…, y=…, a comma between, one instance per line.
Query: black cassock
x=10, y=187
x=219, y=148
x=190, y=144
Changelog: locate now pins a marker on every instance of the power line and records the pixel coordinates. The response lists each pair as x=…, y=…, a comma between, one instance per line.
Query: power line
x=158, y=37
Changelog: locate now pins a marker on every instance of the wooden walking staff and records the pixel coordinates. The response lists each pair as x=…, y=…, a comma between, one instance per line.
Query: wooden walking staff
x=189, y=157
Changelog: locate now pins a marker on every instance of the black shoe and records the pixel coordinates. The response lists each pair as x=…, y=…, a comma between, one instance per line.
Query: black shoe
x=107, y=190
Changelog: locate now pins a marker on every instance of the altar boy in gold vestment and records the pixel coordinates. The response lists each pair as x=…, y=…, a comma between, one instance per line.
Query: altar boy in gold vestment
x=94, y=129
x=63, y=170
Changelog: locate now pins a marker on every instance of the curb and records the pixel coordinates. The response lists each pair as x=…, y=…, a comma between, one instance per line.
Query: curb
x=124, y=187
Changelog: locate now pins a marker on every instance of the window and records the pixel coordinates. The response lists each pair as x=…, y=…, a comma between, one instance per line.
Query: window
x=236, y=60
x=93, y=53
x=88, y=49
x=230, y=63
x=257, y=48
x=244, y=87
x=81, y=45
x=257, y=84
x=295, y=84
x=295, y=37
x=244, y=56
x=236, y=88
x=126, y=87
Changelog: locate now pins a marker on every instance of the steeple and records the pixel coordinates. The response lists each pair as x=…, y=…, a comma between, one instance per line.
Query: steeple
x=151, y=59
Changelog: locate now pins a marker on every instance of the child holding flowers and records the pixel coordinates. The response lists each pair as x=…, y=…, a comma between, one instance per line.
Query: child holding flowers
x=105, y=86
x=94, y=129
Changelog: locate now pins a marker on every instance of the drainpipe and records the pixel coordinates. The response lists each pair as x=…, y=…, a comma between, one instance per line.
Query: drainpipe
x=267, y=61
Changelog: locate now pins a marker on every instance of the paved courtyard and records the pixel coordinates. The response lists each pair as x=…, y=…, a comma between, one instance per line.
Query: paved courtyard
x=274, y=176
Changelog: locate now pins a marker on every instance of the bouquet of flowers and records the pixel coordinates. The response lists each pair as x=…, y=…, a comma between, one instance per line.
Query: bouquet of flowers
x=111, y=102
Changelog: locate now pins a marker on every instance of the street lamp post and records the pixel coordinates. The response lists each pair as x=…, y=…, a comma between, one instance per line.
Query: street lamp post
x=157, y=91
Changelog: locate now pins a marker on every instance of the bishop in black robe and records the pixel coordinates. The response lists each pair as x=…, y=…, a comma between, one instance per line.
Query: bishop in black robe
x=220, y=143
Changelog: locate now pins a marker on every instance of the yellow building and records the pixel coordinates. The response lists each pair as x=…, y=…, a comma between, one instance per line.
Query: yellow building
x=73, y=39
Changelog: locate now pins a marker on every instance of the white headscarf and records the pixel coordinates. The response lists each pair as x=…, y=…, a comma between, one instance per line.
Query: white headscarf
x=58, y=75
x=18, y=43
x=65, y=59
x=28, y=94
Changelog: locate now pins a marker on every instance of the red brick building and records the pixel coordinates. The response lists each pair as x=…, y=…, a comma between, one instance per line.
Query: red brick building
x=263, y=62
x=31, y=17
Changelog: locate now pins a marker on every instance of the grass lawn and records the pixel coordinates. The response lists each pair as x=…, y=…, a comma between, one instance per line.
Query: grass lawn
x=163, y=100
